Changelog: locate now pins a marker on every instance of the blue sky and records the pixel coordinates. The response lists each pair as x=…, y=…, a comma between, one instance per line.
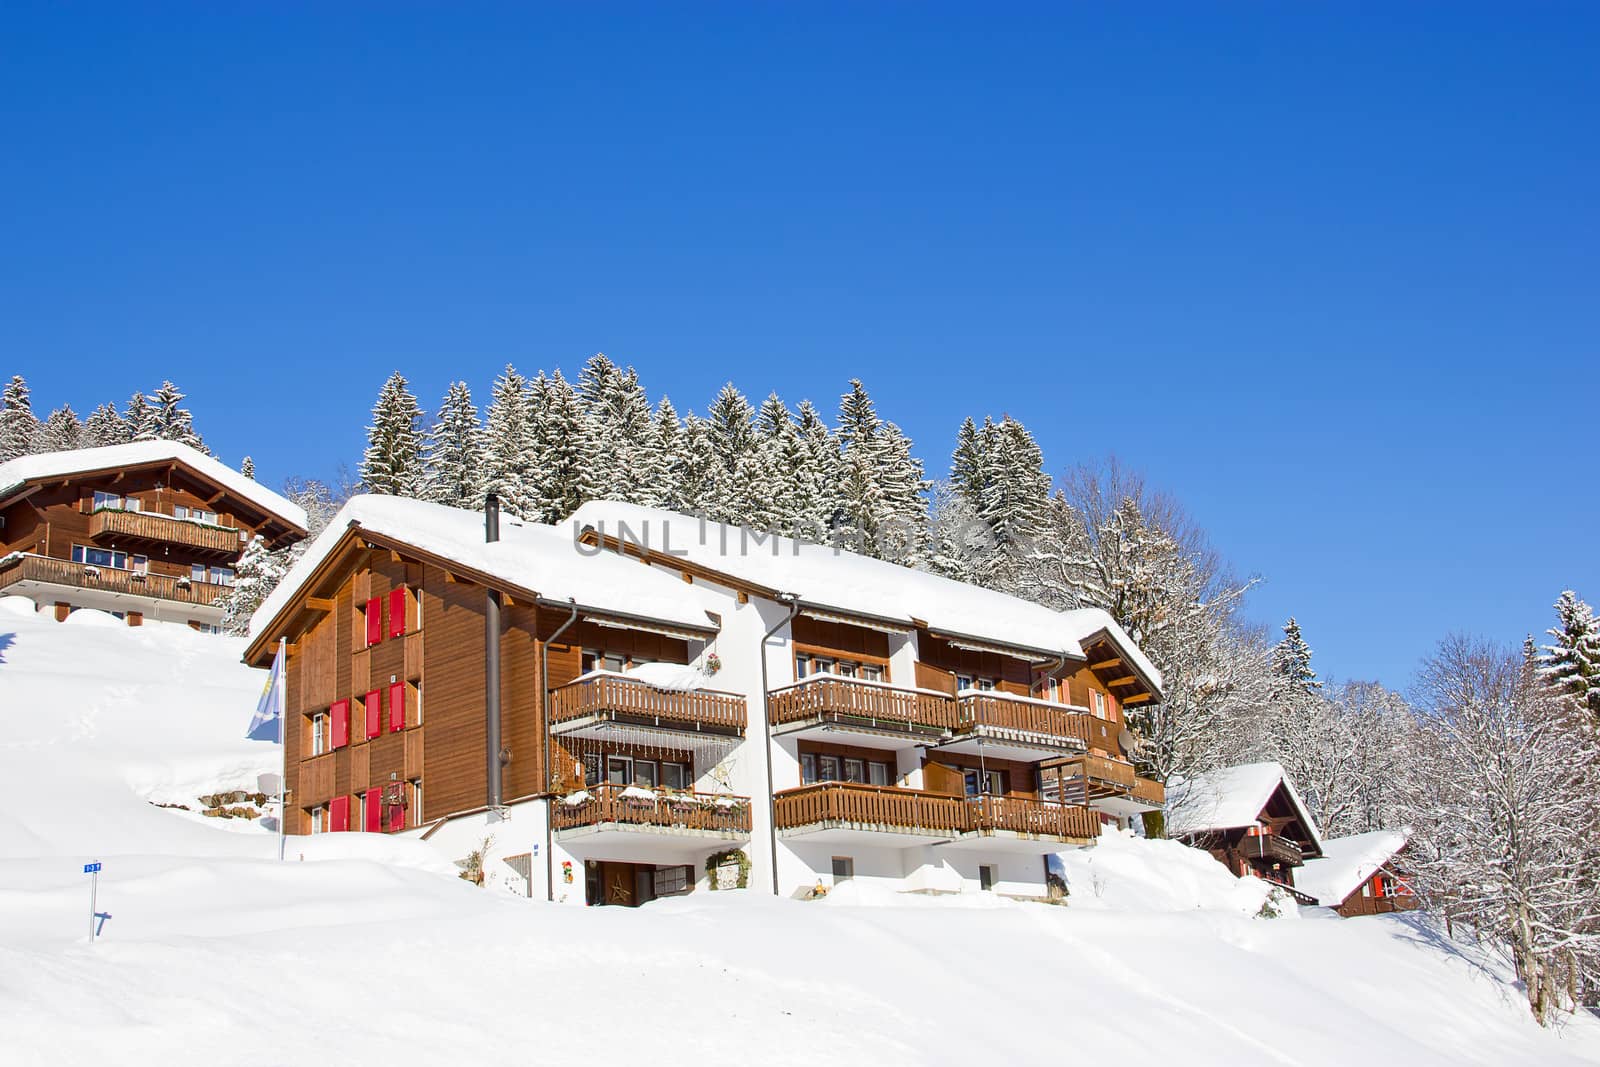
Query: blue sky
x=1328, y=274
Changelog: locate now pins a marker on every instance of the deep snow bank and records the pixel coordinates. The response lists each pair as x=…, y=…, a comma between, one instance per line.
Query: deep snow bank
x=217, y=954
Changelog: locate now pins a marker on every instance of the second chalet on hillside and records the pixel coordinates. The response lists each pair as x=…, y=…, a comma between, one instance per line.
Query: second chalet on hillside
x=649, y=716
x=148, y=530
x=1251, y=819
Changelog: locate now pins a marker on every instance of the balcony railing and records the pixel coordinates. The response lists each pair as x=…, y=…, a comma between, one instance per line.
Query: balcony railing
x=1273, y=848
x=872, y=807
x=892, y=809
x=997, y=712
x=625, y=699
x=608, y=805
x=26, y=567
x=150, y=526
x=831, y=698
x=1149, y=791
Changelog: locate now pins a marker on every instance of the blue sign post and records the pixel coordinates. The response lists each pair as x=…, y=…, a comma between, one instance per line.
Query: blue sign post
x=93, y=871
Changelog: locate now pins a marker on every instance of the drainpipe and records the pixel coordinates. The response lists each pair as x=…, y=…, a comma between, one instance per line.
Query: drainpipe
x=494, y=752
x=549, y=797
x=793, y=602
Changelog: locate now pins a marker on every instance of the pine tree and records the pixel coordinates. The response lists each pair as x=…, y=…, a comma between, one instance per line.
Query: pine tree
x=880, y=505
x=967, y=468
x=1570, y=664
x=19, y=429
x=817, y=479
x=556, y=456
x=902, y=512
x=508, y=445
x=696, y=466
x=167, y=420
x=138, y=418
x=248, y=468
x=256, y=575
x=392, y=464
x=619, y=459
x=1291, y=659
x=666, y=454
x=62, y=431
x=730, y=436
x=455, y=448
x=105, y=427
x=778, y=468
x=1015, y=494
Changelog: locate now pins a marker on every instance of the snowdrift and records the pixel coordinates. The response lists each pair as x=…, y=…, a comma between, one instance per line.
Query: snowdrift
x=366, y=948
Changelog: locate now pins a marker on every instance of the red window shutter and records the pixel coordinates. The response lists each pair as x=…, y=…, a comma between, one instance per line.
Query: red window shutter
x=397, y=707
x=372, y=808
x=395, y=818
x=339, y=813
x=374, y=714
x=340, y=713
x=374, y=621
x=1377, y=885
x=397, y=611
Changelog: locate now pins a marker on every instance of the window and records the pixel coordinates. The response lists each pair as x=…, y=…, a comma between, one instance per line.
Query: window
x=675, y=775
x=844, y=869
x=100, y=557
x=988, y=875
x=141, y=564
x=317, y=817
x=591, y=768
x=644, y=773
x=319, y=734
x=106, y=500
x=985, y=684
x=1098, y=703
x=855, y=770
x=808, y=768
x=671, y=880
x=871, y=672
x=878, y=773
x=598, y=660
x=828, y=768
x=806, y=665
x=619, y=770
x=194, y=514
x=416, y=694
x=416, y=802
x=985, y=783
x=199, y=572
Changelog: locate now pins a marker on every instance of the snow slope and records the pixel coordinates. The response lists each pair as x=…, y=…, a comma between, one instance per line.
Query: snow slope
x=372, y=951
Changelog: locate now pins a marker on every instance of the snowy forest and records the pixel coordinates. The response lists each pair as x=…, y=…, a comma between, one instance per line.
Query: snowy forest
x=1492, y=758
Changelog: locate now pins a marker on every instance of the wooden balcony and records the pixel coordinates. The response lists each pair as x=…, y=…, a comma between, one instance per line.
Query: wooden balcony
x=827, y=703
x=25, y=570
x=590, y=706
x=1271, y=848
x=1149, y=791
x=844, y=810
x=889, y=815
x=114, y=524
x=611, y=810
x=1109, y=783
x=1017, y=727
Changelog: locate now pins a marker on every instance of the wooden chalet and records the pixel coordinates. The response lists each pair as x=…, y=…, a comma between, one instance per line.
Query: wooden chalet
x=1251, y=819
x=1361, y=874
x=148, y=530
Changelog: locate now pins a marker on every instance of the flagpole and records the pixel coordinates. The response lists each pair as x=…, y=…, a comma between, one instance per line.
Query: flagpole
x=283, y=746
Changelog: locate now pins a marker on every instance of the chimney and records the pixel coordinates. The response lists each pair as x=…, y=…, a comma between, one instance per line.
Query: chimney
x=496, y=758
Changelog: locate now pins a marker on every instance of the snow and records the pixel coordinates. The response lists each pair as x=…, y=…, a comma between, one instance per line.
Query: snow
x=110, y=457
x=216, y=953
x=532, y=556
x=17, y=605
x=834, y=579
x=1346, y=863
x=1229, y=798
x=673, y=677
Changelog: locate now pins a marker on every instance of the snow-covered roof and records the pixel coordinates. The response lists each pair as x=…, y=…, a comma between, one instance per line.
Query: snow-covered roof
x=1346, y=863
x=831, y=578
x=24, y=469
x=1230, y=798
x=541, y=559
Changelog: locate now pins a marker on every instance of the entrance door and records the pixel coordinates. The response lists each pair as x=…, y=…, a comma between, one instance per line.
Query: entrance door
x=618, y=880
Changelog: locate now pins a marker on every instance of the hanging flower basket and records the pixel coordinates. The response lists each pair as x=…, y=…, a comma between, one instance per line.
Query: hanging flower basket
x=713, y=663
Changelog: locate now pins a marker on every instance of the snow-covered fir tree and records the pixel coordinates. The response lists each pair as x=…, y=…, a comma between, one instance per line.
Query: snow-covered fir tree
x=619, y=458
x=696, y=466
x=556, y=453
x=880, y=497
x=779, y=462
x=105, y=426
x=166, y=419
x=666, y=452
x=139, y=418
x=453, y=459
x=256, y=575
x=816, y=482
x=1570, y=664
x=247, y=467
x=19, y=427
x=508, y=445
x=731, y=438
x=1291, y=658
x=392, y=463
x=61, y=431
